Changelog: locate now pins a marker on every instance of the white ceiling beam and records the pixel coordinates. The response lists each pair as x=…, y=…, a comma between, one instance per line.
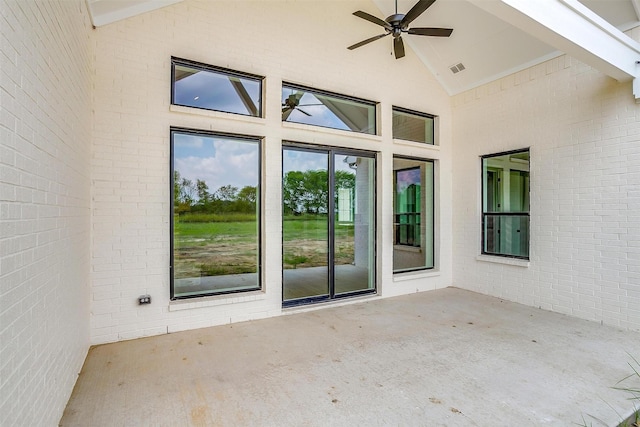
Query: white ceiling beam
x=573, y=28
x=105, y=12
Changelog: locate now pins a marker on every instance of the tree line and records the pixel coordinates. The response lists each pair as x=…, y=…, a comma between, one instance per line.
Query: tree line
x=307, y=192
x=302, y=193
x=194, y=197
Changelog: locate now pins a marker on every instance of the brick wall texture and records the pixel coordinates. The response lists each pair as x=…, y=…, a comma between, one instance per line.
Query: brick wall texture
x=85, y=193
x=45, y=134
x=583, y=130
x=130, y=159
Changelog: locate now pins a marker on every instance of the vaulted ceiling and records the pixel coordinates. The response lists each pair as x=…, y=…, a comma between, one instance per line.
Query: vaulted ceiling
x=488, y=45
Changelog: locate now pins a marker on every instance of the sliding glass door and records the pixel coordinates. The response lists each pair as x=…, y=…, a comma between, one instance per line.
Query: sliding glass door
x=328, y=223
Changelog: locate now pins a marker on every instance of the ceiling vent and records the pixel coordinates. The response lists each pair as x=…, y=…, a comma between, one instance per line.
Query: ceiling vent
x=457, y=68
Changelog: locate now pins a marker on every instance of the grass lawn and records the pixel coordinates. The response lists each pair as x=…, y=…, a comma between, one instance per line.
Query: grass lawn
x=223, y=246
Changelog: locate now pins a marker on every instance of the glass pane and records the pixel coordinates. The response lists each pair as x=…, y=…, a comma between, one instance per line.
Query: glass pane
x=507, y=235
x=518, y=191
x=313, y=108
x=216, y=90
x=505, y=180
x=305, y=230
x=408, y=204
x=216, y=214
x=354, y=241
x=413, y=215
x=412, y=127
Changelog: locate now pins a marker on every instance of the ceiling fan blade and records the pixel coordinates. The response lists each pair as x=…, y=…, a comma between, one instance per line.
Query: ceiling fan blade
x=371, y=18
x=416, y=11
x=369, y=40
x=434, y=32
x=303, y=112
x=294, y=98
x=398, y=47
x=286, y=112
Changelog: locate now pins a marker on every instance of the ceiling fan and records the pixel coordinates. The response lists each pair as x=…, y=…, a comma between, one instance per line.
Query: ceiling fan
x=292, y=102
x=398, y=23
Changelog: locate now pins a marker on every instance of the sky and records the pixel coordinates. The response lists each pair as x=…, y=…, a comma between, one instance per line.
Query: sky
x=225, y=161
x=229, y=161
x=407, y=177
x=294, y=160
x=217, y=161
x=320, y=115
x=214, y=91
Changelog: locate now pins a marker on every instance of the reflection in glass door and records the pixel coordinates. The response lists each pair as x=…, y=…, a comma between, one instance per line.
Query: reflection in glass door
x=305, y=226
x=328, y=242
x=353, y=230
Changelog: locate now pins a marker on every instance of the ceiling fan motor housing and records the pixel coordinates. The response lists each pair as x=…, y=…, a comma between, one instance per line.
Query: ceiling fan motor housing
x=395, y=20
x=398, y=23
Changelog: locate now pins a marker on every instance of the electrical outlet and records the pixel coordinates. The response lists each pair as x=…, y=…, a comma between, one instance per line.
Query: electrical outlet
x=144, y=299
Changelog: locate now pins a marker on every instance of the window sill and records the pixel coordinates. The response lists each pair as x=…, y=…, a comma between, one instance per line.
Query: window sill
x=419, y=274
x=504, y=260
x=407, y=248
x=331, y=131
x=416, y=144
x=215, y=114
x=215, y=300
x=340, y=302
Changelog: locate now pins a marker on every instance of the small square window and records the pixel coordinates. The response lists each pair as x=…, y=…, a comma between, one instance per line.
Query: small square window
x=413, y=126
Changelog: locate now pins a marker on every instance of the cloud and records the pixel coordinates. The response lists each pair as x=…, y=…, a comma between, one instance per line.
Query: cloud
x=217, y=161
x=407, y=177
x=294, y=160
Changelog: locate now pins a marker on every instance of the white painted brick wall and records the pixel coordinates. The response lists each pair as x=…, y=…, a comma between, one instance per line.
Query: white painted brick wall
x=584, y=132
x=45, y=114
x=290, y=41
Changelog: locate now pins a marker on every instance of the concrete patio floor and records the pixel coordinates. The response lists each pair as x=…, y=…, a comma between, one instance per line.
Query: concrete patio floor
x=443, y=358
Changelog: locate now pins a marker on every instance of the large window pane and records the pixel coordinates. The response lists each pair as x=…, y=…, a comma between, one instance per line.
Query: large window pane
x=413, y=215
x=413, y=126
x=210, y=88
x=215, y=221
x=302, y=105
x=505, y=204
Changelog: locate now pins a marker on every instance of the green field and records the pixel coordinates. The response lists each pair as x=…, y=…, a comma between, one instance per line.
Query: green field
x=211, y=245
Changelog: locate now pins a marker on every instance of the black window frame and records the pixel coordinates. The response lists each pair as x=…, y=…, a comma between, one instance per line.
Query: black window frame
x=486, y=213
x=417, y=114
x=259, y=210
x=433, y=211
x=313, y=91
x=219, y=70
